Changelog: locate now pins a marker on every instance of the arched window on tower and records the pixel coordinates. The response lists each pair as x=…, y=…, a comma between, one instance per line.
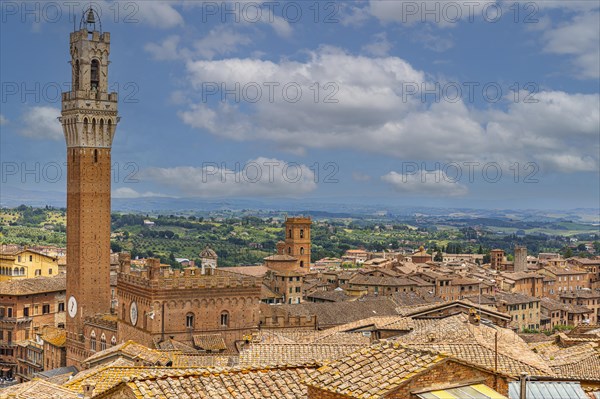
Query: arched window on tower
x=103, y=342
x=189, y=320
x=301, y=263
x=224, y=319
x=290, y=233
x=85, y=125
x=289, y=250
x=76, y=76
x=301, y=233
x=301, y=250
x=93, y=341
x=95, y=75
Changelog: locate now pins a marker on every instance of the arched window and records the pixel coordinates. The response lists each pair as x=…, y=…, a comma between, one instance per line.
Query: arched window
x=189, y=320
x=290, y=233
x=85, y=125
x=103, y=342
x=22, y=271
x=301, y=233
x=101, y=125
x=95, y=75
x=113, y=341
x=93, y=341
x=76, y=76
x=301, y=250
x=93, y=125
x=290, y=250
x=301, y=263
x=224, y=319
x=109, y=123
x=16, y=271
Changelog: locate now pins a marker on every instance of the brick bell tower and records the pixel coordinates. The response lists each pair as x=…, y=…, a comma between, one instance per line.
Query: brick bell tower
x=297, y=240
x=89, y=120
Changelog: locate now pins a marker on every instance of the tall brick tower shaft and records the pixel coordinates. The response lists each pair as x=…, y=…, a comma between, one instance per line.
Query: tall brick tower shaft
x=89, y=119
x=297, y=239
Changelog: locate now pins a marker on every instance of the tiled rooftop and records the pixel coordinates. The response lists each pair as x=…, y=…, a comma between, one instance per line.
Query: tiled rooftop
x=36, y=285
x=209, y=342
x=229, y=384
x=483, y=357
x=133, y=350
x=457, y=330
x=37, y=389
x=293, y=354
x=372, y=371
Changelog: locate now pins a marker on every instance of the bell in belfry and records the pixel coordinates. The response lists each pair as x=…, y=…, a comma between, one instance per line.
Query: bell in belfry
x=90, y=17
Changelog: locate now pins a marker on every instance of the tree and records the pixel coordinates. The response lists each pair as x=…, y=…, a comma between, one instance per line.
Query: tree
x=568, y=253
x=438, y=257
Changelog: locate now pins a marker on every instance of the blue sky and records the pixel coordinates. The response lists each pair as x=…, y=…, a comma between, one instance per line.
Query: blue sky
x=403, y=102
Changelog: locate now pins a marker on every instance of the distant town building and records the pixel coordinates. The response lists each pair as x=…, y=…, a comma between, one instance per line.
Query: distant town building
x=26, y=263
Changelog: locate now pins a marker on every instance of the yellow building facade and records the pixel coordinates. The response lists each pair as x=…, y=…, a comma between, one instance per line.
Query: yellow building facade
x=26, y=263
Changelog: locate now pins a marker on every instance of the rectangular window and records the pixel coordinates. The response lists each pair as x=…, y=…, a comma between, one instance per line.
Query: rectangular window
x=61, y=306
x=31, y=258
x=25, y=312
x=45, y=309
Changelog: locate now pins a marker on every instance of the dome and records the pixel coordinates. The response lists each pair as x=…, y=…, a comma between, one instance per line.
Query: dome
x=208, y=253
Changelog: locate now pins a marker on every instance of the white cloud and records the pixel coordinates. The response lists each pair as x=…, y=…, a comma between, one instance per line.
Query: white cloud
x=569, y=163
x=165, y=50
x=379, y=47
x=442, y=13
x=3, y=120
x=579, y=38
x=351, y=15
x=371, y=114
x=159, y=14
x=425, y=183
x=432, y=41
x=220, y=41
x=260, y=177
x=126, y=192
x=42, y=123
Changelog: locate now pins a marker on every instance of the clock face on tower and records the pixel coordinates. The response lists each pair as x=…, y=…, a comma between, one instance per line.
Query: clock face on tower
x=133, y=313
x=72, y=306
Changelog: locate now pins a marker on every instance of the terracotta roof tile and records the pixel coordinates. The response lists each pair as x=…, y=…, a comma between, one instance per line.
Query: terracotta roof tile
x=373, y=371
x=28, y=286
x=209, y=342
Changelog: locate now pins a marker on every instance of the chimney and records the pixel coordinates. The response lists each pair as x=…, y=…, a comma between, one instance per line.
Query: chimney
x=523, y=391
x=88, y=390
